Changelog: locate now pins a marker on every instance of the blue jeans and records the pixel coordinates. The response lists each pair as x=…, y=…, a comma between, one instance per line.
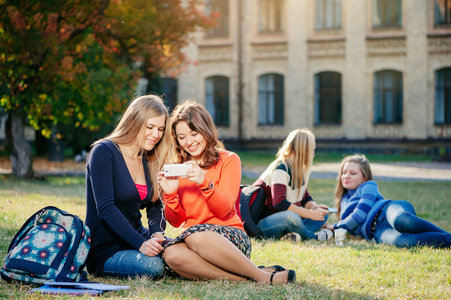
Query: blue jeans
x=278, y=224
x=399, y=225
x=131, y=263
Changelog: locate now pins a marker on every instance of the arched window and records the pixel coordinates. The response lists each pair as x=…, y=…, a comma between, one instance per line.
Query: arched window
x=443, y=96
x=327, y=98
x=217, y=99
x=270, y=99
x=388, y=97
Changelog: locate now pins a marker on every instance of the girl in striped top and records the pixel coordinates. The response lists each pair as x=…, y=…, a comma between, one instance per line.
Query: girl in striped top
x=293, y=214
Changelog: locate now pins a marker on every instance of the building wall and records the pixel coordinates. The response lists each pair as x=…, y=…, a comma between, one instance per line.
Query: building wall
x=417, y=49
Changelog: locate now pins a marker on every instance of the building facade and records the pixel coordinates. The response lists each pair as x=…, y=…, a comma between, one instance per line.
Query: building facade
x=350, y=70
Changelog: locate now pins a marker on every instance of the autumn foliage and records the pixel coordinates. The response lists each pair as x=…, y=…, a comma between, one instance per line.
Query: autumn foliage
x=77, y=62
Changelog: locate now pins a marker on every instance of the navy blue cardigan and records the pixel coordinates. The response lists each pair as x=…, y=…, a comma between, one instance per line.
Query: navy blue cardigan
x=113, y=206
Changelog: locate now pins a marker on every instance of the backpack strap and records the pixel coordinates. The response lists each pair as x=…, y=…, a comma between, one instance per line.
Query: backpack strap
x=253, y=202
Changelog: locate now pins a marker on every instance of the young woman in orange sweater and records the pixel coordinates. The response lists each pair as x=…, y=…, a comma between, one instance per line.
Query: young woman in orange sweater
x=213, y=244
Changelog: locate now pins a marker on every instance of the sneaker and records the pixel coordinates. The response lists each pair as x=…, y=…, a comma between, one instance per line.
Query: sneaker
x=324, y=234
x=293, y=237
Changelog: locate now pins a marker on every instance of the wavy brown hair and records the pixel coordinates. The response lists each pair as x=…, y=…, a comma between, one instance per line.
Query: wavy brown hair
x=132, y=126
x=364, y=166
x=198, y=119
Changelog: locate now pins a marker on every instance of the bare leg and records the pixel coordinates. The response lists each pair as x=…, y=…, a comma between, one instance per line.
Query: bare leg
x=189, y=264
x=218, y=253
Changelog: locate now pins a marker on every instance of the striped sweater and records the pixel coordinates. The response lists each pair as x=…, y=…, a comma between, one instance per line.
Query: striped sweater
x=282, y=190
x=358, y=208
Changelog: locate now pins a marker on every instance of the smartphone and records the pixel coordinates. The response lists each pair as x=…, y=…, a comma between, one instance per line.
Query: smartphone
x=332, y=210
x=175, y=170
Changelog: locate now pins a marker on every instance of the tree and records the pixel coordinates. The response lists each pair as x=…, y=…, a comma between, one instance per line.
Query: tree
x=76, y=62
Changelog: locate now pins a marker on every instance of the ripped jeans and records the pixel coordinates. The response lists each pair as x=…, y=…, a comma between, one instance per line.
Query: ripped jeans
x=131, y=263
x=278, y=224
x=399, y=225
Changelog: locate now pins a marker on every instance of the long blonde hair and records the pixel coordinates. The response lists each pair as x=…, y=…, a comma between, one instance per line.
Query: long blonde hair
x=132, y=126
x=301, y=142
x=364, y=166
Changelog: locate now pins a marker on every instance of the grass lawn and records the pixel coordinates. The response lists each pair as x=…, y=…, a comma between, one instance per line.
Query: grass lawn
x=264, y=158
x=360, y=270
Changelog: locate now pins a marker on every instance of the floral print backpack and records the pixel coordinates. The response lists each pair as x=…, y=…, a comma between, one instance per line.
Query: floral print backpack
x=52, y=245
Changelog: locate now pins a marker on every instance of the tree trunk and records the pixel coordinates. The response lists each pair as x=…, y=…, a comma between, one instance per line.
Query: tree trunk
x=18, y=146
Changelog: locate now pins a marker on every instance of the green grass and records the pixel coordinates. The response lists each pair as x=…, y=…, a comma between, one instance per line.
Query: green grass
x=264, y=158
x=360, y=270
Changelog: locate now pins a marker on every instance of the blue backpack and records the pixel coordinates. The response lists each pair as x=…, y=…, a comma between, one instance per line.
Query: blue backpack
x=52, y=245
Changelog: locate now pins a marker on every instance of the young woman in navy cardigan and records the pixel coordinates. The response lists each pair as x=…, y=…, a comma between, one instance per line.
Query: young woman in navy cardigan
x=121, y=181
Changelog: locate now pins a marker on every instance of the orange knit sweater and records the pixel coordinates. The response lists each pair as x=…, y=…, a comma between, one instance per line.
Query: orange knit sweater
x=191, y=206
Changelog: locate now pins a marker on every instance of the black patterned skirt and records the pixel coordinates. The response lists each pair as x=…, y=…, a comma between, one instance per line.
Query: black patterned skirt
x=238, y=237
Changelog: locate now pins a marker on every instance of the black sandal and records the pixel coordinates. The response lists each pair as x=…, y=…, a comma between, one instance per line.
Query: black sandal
x=291, y=276
x=272, y=275
x=276, y=268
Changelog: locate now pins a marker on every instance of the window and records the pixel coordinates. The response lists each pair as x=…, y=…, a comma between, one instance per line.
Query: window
x=388, y=97
x=328, y=98
x=443, y=96
x=169, y=90
x=217, y=99
x=327, y=14
x=270, y=99
x=220, y=8
x=270, y=16
x=442, y=12
x=387, y=13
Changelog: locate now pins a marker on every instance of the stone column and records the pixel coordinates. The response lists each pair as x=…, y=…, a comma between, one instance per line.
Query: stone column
x=355, y=100
x=298, y=105
x=415, y=90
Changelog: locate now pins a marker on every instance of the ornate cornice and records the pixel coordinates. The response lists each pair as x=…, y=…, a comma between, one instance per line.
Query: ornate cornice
x=269, y=132
x=388, y=131
x=439, y=45
x=215, y=54
x=326, y=48
x=262, y=51
x=390, y=46
x=328, y=131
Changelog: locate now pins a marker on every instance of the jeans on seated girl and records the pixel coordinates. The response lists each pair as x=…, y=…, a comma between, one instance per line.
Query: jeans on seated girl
x=131, y=263
x=278, y=224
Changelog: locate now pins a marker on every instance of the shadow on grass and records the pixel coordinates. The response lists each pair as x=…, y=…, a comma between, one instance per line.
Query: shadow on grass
x=174, y=288
x=202, y=290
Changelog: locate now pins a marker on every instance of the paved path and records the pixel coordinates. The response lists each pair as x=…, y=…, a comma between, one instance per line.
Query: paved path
x=418, y=171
